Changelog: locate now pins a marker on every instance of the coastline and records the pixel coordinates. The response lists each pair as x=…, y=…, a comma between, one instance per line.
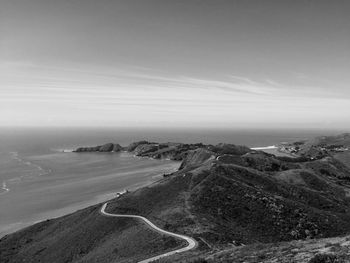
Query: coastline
x=262, y=148
x=107, y=196
x=73, y=207
x=104, y=197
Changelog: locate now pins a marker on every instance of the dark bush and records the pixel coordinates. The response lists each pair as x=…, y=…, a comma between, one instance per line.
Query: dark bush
x=300, y=159
x=326, y=258
x=324, y=171
x=199, y=260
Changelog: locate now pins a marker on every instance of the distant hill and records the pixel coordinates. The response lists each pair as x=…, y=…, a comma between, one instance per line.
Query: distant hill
x=341, y=139
x=224, y=196
x=318, y=147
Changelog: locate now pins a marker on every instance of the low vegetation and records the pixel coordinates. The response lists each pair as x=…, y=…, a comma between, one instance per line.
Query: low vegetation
x=240, y=205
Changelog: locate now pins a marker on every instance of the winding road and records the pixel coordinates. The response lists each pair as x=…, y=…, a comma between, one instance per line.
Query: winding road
x=191, y=243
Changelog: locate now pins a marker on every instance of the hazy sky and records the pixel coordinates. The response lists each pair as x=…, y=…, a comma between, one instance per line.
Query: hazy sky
x=175, y=63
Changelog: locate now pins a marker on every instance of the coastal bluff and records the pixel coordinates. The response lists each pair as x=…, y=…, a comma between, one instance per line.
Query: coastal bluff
x=108, y=147
x=169, y=150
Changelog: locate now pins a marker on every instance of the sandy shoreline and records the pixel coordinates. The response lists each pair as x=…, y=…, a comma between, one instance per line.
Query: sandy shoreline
x=71, y=208
x=273, y=149
x=264, y=148
x=16, y=226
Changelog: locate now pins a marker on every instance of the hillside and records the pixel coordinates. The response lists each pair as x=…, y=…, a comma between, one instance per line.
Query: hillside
x=224, y=196
x=325, y=250
x=318, y=147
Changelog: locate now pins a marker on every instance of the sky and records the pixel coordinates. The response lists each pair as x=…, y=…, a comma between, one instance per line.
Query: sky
x=183, y=63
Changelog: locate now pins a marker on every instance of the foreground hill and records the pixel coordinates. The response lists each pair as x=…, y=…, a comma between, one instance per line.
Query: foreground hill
x=224, y=196
x=325, y=250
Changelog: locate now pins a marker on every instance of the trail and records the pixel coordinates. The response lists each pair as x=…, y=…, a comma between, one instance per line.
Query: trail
x=191, y=243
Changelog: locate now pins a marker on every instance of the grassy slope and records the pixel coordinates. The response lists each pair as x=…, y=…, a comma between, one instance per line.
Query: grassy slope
x=228, y=202
x=343, y=157
x=84, y=236
x=300, y=251
x=249, y=207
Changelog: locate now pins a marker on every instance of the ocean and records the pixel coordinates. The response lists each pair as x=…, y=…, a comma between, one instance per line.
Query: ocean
x=41, y=178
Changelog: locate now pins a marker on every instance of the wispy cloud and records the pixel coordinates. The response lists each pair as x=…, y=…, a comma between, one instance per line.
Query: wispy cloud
x=133, y=95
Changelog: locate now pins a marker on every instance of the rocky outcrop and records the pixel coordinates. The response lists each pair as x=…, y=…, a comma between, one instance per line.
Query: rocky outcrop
x=88, y=149
x=108, y=147
x=143, y=149
x=133, y=145
x=117, y=148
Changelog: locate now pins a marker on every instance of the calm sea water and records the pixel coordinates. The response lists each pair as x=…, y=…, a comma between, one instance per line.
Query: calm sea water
x=39, y=181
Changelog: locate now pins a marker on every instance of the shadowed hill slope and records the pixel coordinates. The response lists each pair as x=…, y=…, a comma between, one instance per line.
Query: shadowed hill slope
x=85, y=236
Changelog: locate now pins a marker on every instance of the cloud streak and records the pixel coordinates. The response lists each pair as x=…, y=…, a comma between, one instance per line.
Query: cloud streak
x=67, y=95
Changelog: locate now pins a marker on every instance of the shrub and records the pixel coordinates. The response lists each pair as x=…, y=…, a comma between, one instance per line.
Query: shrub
x=326, y=258
x=199, y=260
